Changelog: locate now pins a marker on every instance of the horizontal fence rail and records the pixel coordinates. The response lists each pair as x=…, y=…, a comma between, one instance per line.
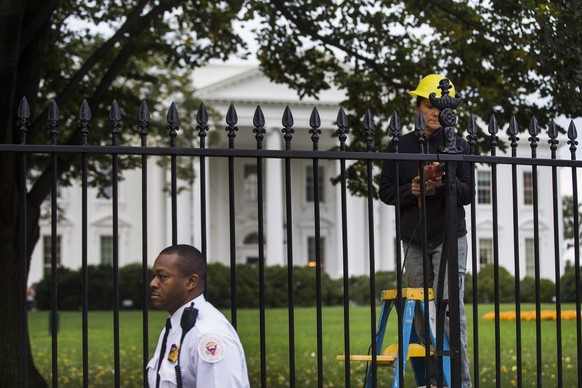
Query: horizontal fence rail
x=490, y=194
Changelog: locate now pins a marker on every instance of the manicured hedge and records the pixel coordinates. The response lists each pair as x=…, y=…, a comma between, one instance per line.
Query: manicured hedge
x=507, y=288
x=100, y=287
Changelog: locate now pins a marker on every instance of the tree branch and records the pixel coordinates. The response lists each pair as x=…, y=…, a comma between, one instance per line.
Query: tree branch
x=307, y=29
x=133, y=23
x=41, y=188
x=478, y=26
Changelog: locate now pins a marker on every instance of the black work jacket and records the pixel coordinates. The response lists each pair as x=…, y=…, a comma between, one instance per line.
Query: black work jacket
x=410, y=224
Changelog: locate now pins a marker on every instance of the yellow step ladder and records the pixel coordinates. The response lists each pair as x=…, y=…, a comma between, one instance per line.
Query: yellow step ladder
x=412, y=349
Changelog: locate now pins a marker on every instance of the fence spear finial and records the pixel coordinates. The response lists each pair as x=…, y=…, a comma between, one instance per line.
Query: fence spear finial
x=342, y=127
x=259, y=129
x=84, y=119
x=143, y=122
x=202, y=127
x=369, y=129
x=287, y=130
x=231, y=121
x=23, y=119
x=173, y=123
x=54, y=117
x=315, y=124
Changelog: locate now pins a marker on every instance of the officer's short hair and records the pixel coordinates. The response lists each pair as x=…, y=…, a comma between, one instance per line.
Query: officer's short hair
x=190, y=261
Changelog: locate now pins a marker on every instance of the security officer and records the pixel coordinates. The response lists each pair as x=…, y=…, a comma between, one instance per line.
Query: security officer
x=409, y=189
x=199, y=347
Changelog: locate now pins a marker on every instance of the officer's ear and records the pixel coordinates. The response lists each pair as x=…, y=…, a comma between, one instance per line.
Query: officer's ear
x=193, y=281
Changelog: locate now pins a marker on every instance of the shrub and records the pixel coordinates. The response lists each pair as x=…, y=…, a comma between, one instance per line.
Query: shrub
x=568, y=284
x=468, y=288
x=218, y=285
x=527, y=290
x=486, y=286
x=218, y=292
x=99, y=288
x=131, y=285
x=69, y=290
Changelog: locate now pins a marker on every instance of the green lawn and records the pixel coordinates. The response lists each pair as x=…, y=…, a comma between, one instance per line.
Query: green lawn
x=101, y=347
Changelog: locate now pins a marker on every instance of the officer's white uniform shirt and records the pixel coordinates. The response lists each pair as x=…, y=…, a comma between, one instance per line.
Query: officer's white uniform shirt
x=211, y=353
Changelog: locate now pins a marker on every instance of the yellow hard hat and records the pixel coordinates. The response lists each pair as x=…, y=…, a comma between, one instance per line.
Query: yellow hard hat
x=429, y=84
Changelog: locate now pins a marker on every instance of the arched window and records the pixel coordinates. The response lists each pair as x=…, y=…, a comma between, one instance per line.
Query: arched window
x=252, y=238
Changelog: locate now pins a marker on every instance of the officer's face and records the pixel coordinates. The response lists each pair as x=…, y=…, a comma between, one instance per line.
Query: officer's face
x=169, y=288
x=430, y=115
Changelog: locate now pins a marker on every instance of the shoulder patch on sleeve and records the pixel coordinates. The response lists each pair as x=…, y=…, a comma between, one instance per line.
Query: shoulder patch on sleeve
x=211, y=349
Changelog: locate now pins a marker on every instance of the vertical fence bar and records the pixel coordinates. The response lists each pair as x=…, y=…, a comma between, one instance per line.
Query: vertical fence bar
x=472, y=140
x=572, y=136
x=534, y=131
x=202, y=127
x=173, y=122
x=23, y=124
x=513, y=131
x=419, y=128
x=369, y=134
x=259, y=136
x=288, y=131
x=342, y=132
x=315, y=123
x=115, y=124
x=53, y=118
x=394, y=128
x=447, y=119
x=143, y=127
x=553, y=141
x=83, y=122
x=493, y=130
x=231, y=120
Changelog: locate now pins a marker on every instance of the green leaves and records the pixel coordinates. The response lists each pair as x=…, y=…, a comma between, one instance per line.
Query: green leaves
x=499, y=54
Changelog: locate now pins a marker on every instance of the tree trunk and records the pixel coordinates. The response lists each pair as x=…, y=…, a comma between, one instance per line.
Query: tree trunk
x=14, y=343
x=13, y=332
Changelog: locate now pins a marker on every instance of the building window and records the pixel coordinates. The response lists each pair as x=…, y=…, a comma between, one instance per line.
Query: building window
x=485, y=251
x=47, y=253
x=250, y=183
x=484, y=187
x=107, y=250
x=529, y=257
x=253, y=260
x=311, y=251
x=251, y=238
x=528, y=193
x=310, y=184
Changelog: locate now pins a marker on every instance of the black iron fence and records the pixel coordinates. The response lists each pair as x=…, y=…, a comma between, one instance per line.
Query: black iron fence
x=493, y=191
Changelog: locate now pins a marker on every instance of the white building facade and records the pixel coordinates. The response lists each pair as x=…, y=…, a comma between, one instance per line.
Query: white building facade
x=246, y=88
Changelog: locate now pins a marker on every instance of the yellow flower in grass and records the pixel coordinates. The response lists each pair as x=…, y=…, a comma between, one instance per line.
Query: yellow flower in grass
x=545, y=315
x=569, y=315
x=507, y=316
x=489, y=316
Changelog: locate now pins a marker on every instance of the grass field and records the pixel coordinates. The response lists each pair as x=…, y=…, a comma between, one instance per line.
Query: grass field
x=100, y=339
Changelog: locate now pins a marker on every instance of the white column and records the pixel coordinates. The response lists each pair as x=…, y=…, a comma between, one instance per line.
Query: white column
x=208, y=207
x=385, y=237
x=274, y=203
x=157, y=210
x=184, y=216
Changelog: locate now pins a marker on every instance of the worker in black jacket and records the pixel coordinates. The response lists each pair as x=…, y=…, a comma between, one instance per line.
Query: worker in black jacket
x=409, y=190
